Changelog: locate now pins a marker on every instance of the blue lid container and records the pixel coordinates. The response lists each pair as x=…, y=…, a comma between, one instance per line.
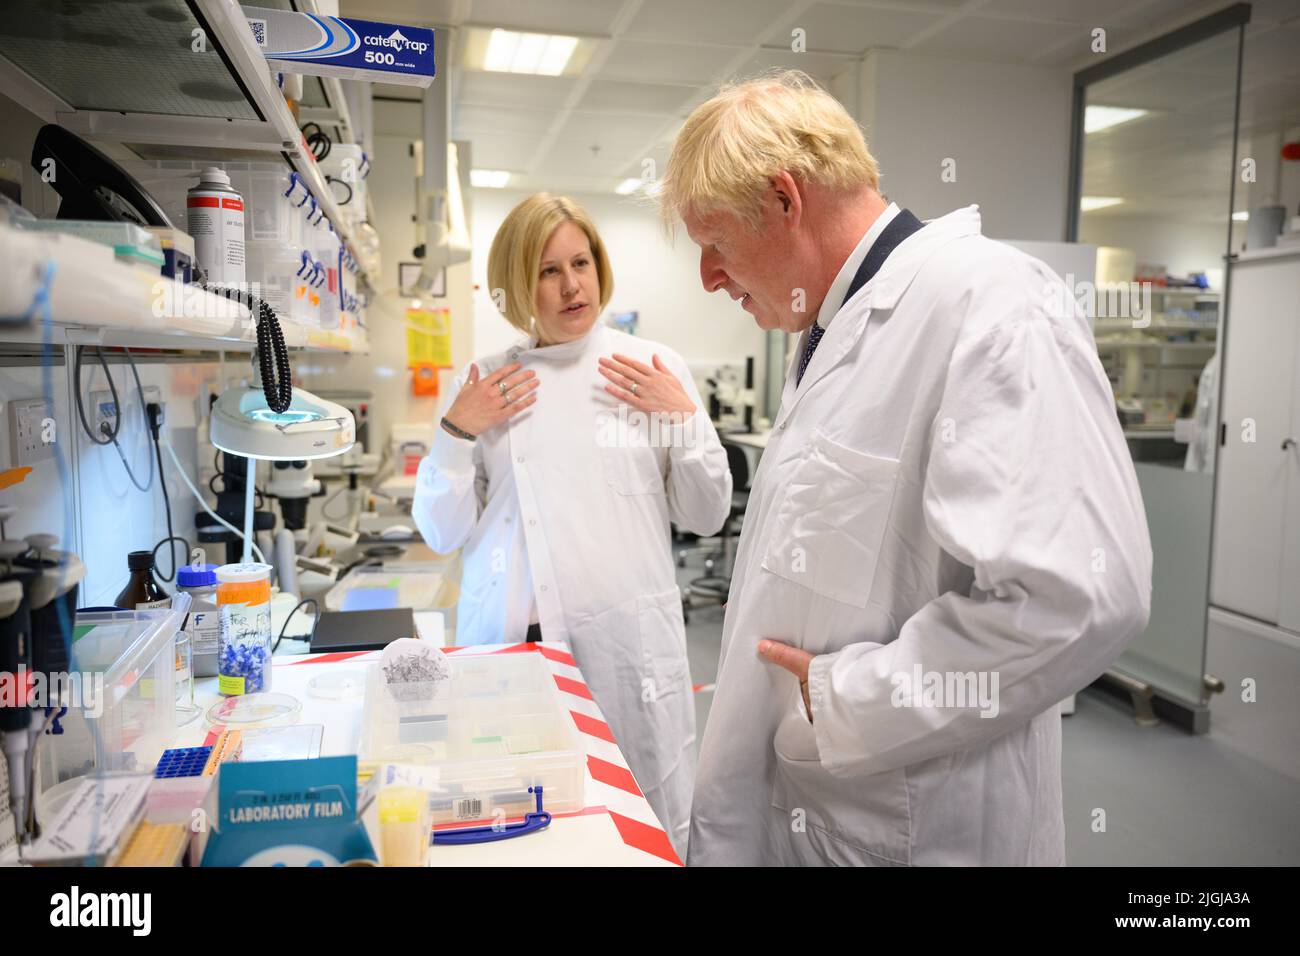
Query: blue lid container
x=201, y=576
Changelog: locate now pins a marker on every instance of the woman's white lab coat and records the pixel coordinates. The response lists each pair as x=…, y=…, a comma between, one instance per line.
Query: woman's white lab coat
x=948, y=492
x=568, y=505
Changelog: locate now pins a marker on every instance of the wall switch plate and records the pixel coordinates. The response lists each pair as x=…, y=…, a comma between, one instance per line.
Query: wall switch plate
x=32, y=432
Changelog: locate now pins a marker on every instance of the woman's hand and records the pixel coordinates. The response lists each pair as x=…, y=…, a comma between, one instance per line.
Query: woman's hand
x=646, y=389
x=483, y=404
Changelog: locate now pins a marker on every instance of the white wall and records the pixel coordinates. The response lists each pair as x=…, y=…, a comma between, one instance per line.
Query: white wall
x=657, y=278
x=111, y=517
x=1007, y=127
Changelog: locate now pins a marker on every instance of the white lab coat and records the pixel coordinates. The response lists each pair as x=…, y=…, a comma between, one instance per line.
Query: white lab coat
x=1201, y=449
x=947, y=488
x=568, y=504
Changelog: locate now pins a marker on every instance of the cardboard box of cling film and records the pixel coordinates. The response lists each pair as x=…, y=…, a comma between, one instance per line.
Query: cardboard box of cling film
x=343, y=47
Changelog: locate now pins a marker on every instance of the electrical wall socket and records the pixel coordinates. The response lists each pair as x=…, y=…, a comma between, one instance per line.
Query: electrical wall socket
x=102, y=411
x=32, y=432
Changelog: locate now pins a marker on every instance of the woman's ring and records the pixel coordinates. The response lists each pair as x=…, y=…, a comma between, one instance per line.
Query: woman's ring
x=632, y=388
x=502, y=387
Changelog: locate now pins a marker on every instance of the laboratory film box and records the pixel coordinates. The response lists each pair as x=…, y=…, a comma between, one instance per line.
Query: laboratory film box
x=343, y=47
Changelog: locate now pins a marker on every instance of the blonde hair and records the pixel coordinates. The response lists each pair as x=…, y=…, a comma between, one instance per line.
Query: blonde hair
x=731, y=145
x=516, y=254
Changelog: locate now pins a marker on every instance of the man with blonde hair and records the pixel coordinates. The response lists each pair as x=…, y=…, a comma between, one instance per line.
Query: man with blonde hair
x=945, y=537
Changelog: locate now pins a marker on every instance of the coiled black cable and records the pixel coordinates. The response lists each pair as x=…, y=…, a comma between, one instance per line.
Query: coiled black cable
x=272, y=353
x=333, y=181
x=318, y=142
x=110, y=431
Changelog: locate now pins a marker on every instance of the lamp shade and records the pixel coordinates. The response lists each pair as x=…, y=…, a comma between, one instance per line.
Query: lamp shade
x=243, y=424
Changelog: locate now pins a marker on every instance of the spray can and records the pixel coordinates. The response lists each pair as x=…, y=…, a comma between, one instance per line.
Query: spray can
x=215, y=218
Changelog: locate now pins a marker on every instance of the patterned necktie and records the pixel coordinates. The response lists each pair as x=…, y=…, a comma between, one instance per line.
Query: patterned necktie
x=814, y=336
x=899, y=228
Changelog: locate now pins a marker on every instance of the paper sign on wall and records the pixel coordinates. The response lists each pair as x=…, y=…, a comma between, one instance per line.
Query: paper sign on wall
x=428, y=337
x=428, y=348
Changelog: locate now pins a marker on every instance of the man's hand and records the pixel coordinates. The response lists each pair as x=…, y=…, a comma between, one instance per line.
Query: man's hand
x=792, y=659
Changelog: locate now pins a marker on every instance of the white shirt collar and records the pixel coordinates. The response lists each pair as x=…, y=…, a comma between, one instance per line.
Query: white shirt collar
x=835, y=295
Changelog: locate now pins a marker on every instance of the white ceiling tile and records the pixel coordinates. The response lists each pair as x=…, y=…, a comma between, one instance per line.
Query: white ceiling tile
x=1017, y=41
x=607, y=129
x=488, y=119
x=413, y=12
x=940, y=8
x=730, y=22
x=573, y=154
x=650, y=61
x=822, y=67
x=1092, y=13
x=503, y=151
x=581, y=17
x=840, y=29
x=513, y=90
x=609, y=95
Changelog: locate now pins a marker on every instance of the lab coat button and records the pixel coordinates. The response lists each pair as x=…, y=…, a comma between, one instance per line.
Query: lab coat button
x=520, y=459
x=543, y=587
x=532, y=523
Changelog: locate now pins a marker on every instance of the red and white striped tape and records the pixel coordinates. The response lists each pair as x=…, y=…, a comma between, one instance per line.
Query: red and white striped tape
x=610, y=786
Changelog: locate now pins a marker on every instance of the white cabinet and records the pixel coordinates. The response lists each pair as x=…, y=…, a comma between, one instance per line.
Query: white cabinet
x=1256, y=558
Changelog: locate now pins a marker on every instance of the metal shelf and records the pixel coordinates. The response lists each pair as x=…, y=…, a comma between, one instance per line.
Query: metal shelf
x=261, y=123
x=96, y=299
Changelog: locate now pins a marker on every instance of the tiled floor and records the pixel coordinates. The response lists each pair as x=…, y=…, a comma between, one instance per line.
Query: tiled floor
x=1229, y=797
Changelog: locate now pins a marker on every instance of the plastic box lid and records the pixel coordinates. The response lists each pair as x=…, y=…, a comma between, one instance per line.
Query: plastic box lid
x=420, y=586
x=120, y=644
x=497, y=727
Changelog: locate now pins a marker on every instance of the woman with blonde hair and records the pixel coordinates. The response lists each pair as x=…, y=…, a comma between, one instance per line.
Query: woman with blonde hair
x=557, y=469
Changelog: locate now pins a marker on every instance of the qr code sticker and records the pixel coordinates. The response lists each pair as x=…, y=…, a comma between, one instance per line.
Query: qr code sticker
x=259, y=31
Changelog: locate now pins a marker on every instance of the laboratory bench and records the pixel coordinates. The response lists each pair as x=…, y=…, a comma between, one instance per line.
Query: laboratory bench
x=614, y=827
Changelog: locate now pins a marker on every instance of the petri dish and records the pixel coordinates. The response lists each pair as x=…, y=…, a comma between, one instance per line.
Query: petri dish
x=254, y=710
x=344, y=685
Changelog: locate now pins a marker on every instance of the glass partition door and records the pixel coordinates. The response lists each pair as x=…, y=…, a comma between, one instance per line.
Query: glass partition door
x=1154, y=170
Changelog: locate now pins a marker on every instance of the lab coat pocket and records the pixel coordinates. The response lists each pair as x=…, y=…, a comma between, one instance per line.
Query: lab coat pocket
x=861, y=820
x=829, y=528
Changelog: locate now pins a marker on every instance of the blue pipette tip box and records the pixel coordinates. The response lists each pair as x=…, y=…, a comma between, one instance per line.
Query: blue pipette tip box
x=182, y=762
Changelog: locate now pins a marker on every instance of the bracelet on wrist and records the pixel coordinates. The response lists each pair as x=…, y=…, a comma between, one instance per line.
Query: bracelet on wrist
x=457, y=431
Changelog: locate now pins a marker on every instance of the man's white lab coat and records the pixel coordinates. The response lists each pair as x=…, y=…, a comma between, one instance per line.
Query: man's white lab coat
x=568, y=505
x=948, y=517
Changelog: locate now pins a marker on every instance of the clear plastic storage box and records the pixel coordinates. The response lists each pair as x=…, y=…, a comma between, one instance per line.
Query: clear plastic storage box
x=123, y=716
x=419, y=585
x=494, y=729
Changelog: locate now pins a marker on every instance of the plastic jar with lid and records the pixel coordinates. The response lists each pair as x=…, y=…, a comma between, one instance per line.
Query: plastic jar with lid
x=244, y=634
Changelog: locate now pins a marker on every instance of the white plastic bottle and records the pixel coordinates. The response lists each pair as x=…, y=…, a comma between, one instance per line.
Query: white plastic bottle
x=214, y=215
